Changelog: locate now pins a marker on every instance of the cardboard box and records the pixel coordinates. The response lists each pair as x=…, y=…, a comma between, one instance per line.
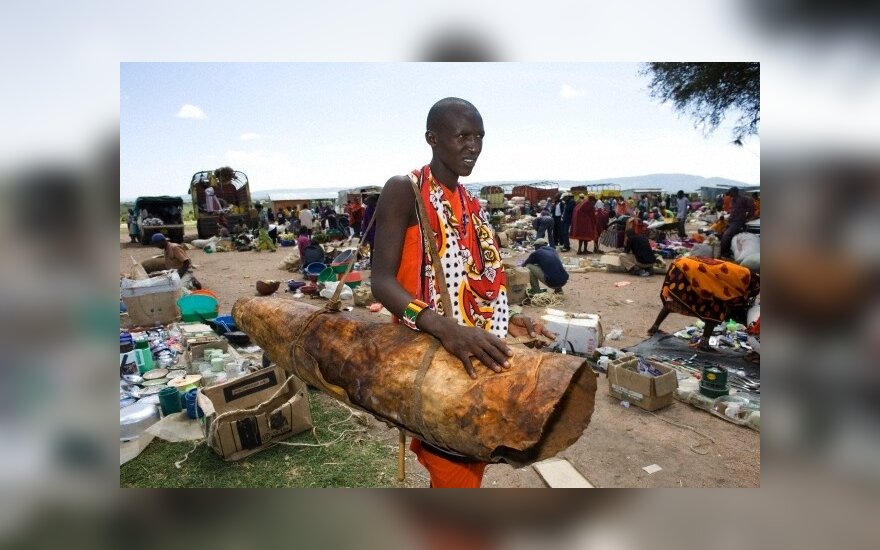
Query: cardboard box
x=646, y=392
x=151, y=302
x=254, y=412
x=517, y=282
x=196, y=352
x=578, y=332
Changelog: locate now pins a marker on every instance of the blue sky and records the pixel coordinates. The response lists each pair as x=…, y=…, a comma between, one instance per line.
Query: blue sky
x=298, y=125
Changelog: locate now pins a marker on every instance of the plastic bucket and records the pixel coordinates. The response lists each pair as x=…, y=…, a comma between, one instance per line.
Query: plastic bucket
x=169, y=400
x=327, y=275
x=315, y=268
x=192, y=410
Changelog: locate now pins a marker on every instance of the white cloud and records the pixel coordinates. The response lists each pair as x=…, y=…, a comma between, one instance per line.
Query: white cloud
x=247, y=136
x=569, y=92
x=191, y=111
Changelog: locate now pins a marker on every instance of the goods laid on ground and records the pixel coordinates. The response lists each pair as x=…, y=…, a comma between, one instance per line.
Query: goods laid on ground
x=537, y=408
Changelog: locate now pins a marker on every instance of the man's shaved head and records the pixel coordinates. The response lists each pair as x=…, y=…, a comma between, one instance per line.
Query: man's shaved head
x=437, y=114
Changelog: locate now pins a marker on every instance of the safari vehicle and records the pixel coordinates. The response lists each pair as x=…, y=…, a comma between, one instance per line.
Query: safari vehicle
x=159, y=215
x=232, y=191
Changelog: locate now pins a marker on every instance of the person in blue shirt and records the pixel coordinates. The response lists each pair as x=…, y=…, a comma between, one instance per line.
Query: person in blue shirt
x=543, y=224
x=545, y=266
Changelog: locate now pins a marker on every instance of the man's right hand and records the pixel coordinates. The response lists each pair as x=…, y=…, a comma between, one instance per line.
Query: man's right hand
x=466, y=342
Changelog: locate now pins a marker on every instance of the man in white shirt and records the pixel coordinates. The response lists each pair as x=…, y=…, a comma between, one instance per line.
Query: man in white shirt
x=306, y=219
x=682, y=205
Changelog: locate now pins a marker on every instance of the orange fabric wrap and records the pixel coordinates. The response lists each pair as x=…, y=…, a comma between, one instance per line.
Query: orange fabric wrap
x=446, y=474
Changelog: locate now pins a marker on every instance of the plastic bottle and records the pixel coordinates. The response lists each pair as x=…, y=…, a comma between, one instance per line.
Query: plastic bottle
x=126, y=342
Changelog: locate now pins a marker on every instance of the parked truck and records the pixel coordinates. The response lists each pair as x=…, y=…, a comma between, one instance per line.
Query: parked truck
x=159, y=215
x=221, y=191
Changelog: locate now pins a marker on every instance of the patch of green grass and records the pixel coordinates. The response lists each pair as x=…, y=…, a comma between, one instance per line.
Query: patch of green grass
x=355, y=461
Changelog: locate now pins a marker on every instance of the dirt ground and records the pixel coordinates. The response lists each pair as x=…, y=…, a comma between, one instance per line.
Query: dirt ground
x=618, y=442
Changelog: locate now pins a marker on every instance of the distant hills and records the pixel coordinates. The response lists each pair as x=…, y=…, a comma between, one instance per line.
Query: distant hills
x=668, y=183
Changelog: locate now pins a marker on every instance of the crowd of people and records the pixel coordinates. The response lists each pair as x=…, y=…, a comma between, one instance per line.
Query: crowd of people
x=584, y=218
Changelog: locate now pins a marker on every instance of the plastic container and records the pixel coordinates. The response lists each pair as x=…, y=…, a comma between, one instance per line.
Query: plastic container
x=232, y=369
x=340, y=262
x=169, y=400
x=327, y=275
x=192, y=410
x=293, y=285
x=226, y=322
x=197, y=307
x=126, y=342
x=144, y=360
x=740, y=408
x=315, y=268
x=217, y=364
x=353, y=279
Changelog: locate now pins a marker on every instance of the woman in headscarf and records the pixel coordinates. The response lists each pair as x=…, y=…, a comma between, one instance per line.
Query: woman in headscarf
x=584, y=224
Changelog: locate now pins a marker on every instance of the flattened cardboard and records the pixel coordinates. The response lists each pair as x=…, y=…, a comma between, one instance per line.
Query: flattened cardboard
x=262, y=420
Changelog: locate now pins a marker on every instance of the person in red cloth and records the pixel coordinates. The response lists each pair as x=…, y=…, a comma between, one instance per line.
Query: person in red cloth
x=355, y=217
x=584, y=225
x=403, y=271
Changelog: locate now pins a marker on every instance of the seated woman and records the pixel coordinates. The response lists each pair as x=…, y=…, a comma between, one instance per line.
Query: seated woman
x=711, y=290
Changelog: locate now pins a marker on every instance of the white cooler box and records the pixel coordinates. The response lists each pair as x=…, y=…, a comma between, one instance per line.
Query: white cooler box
x=577, y=332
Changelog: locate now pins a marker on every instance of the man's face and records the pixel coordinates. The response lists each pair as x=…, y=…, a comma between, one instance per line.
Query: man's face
x=458, y=141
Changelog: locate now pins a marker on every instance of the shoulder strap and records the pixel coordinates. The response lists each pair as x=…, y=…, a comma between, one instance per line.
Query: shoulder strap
x=432, y=247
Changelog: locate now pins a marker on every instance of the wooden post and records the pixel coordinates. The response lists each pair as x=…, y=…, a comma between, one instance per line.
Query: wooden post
x=401, y=455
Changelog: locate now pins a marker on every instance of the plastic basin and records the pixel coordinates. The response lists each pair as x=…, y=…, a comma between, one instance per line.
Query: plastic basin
x=353, y=279
x=327, y=275
x=340, y=262
x=197, y=307
x=226, y=322
x=315, y=268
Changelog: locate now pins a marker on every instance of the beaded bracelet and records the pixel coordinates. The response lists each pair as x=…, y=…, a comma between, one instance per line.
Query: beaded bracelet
x=411, y=313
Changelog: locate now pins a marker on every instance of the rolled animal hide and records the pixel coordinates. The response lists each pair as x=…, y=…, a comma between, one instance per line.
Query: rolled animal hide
x=532, y=411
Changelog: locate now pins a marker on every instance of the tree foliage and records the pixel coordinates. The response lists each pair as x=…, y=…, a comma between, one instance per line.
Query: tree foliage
x=708, y=91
